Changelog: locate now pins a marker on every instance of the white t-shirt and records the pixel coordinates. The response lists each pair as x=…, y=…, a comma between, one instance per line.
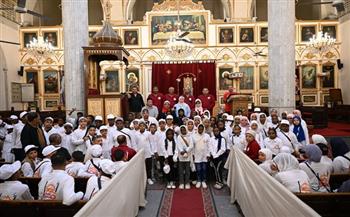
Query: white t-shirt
x=294, y=180
x=341, y=164
x=201, y=144
x=58, y=185
x=73, y=168
x=92, y=186
x=14, y=190
x=43, y=168
x=322, y=170
x=274, y=145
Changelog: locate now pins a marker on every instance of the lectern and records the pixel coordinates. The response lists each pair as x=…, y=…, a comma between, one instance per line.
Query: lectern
x=240, y=102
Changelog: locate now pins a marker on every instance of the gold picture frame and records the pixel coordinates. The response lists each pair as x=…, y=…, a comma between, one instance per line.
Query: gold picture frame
x=51, y=103
x=226, y=35
x=131, y=37
x=246, y=34
x=306, y=31
x=52, y=36
x=27, y=36
x=263, y=35
x=309, y=99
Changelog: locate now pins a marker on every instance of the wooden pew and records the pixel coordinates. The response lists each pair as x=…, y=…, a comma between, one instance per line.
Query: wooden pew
x=38, y=208
x=80, y=184
x=327, y=204
x=336, y=180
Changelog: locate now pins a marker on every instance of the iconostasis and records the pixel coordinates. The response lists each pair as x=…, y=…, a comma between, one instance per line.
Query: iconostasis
x=235, y=47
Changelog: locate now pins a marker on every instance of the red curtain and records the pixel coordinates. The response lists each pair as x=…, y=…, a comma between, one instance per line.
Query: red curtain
x=169, y=75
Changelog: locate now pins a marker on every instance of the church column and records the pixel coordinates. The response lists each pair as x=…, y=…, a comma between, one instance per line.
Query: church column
x=281, y=25
x=75, y=32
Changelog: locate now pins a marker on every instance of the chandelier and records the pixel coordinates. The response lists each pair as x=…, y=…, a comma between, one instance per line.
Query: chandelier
x=321, y=42
x=39, y=47
x=179, y=46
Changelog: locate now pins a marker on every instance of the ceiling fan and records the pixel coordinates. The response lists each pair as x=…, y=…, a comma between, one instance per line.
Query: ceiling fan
x=21, y=9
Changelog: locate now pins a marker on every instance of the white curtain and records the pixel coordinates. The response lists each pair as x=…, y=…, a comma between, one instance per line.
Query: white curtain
x=123, y=195
x=259, y=194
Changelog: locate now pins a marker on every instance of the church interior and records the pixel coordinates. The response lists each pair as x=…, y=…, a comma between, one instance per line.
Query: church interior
x=64, y=57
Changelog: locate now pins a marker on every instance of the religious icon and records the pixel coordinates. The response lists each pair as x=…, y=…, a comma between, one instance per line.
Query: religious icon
x=264, y=34
x=131, y=37
x=28, y=37
x=247, y=82
x=163, y=27
x=328, y=80
x=112, y=81
x=224, y=81
x=132, y=78
x=264, y=77
x=331, y=30
x=51, y=37
x=32, y=78
x=307, y=33
x=226, y=35
x=308, y=76
x=309, y=99
x=51, y=104
x=246, y=35
x=264, y=99
x=50, y=82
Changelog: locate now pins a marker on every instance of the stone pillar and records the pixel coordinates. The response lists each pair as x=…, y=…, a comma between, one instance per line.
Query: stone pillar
x=75, y=33
x=281, y=25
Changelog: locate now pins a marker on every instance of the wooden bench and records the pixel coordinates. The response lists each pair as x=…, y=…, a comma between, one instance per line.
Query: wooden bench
x=80, y=184
x=327, y=204
x=38, y=208
x=336, y=180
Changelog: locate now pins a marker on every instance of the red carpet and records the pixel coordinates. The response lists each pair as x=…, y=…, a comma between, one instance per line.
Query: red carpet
x=187, y=203
x=334, y=129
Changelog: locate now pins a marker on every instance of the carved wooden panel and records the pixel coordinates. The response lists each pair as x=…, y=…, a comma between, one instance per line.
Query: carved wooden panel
x=95, y=106
x=112, y=106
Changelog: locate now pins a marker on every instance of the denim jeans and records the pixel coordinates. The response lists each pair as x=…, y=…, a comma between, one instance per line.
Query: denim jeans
x=201, y=169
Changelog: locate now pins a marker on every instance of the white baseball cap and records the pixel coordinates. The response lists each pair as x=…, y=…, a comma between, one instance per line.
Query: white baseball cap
x=229, y=118
x=119, y=119
x=49, y=150
x=107, y=166
x=96, y=150
x=161, y=120
x=169, y=117
x=68, y=124
x=257, y=109
x=13, y=117
x=7, y=170
x=49, y=118
x=110, y=116
x=285, y=122
x=29, y=147
x=23, y=114
x=104, y=127
x=98, y=118
x=82, y=118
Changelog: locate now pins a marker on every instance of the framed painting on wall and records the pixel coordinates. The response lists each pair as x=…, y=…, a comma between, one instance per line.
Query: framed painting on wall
x=330, y=29
x=131, y=37
x=247, y=82
x=50, y=82
x=264, y=77
x=246, y=34
x=309, y=99
x=264, y=35
x=226, y=35
x=224, y=82
x=308, y=75
x=51, y=104
x=264, y=99
x=32, y=78
x=132, y=78
x=51, y=37
x=28, y=37
x=328, y=80
x=91, y=35
x=112, y=82
x=164, y=26
x=307, y=32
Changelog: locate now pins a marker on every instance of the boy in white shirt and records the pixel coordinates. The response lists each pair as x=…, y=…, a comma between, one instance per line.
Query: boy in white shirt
x=9, y=144
x=79, y=136
x=30, y=161
x=217, y=151
x=48, y=129
x=184, y=149
x=58, y=185
x=238, y=139
x=44, y=167
x=77, y=163
x=12, y=189
x=273, y=142
x=92, y=163
x=67, y=138
x=121, y=158
x=95, y=184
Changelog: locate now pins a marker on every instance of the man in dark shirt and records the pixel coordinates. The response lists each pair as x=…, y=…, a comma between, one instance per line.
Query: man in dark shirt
x=135, y=101
x=32, y=133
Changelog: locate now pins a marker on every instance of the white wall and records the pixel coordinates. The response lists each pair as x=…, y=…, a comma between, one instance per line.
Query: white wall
x=9, y=63
x=344, y=74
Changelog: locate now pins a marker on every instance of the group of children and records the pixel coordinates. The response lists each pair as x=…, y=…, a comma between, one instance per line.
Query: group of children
x=180, y=153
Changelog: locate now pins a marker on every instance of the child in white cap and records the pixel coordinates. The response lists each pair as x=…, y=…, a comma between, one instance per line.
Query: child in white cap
x=95, y=184
x=91, y=165
x=58, y=185
x=9, y=143
x=30, y=161
x=44, y=167
x=77, y=163
x=12, y=189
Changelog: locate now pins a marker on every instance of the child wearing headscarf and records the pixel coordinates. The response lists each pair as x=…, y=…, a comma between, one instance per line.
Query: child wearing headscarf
x=263, y=125
x=201, y=153
x=184, y=149
x=289, y=174
x=198, y=107
x=254, y=125
x=300, y=131
x=265, y=157
x=244, y=124
x=317, y=172
x=341, y=155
